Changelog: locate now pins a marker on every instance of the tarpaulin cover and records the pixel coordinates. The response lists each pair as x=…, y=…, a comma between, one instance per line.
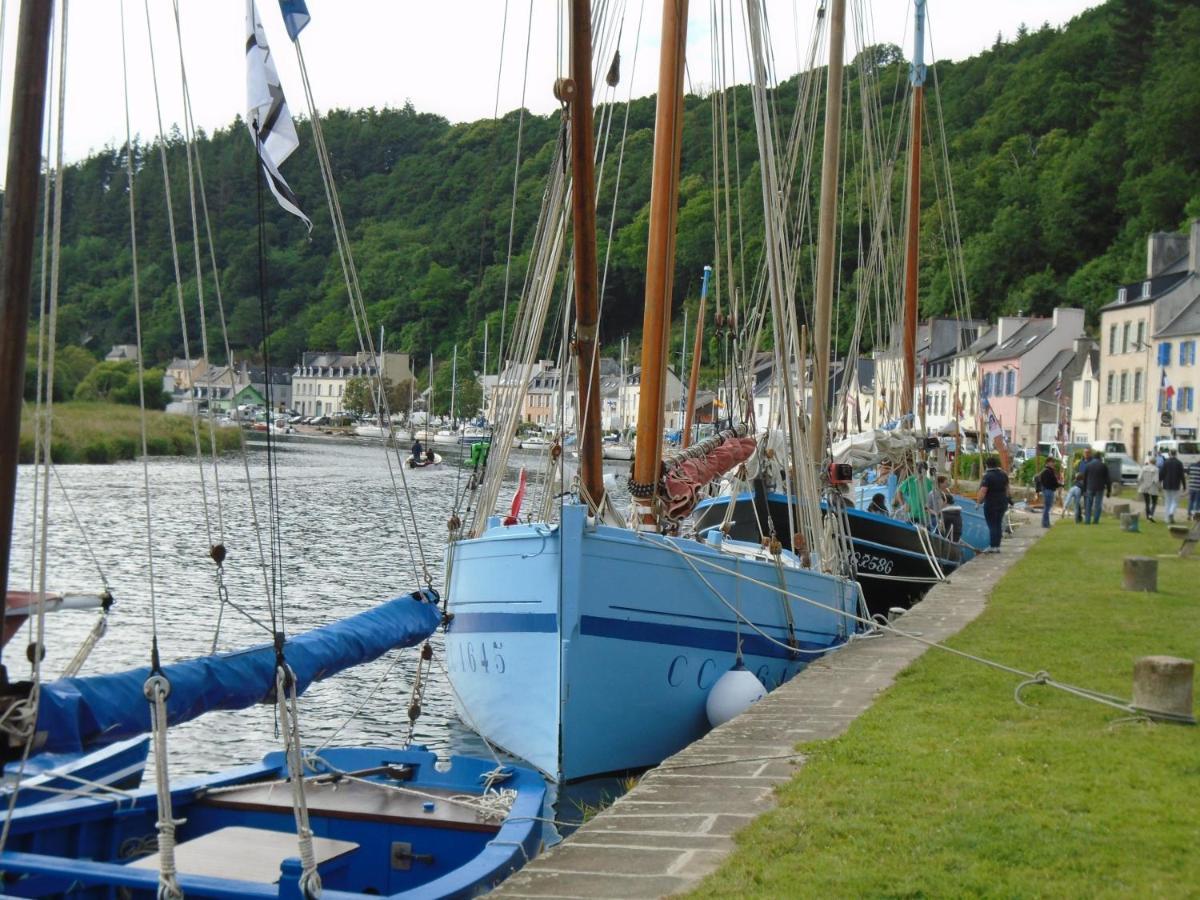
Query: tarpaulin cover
x=78, y=713
x=683, y=482
x=870, y=447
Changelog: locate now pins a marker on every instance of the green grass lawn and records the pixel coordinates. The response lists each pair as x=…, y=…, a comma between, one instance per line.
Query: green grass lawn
x=946, y=787
x=108, y=432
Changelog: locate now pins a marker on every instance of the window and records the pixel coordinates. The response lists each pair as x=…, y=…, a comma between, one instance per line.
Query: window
x=987, y=384
x=1183, y=400
x=1111, y=380
x=1164, y=353
x=1124, y=387
x=1125, y=336
x=1122, y=293
x=1190, y=397
x=1112, y=340
x=1145, y=289
x=1137, y=386
x=1011, y=387
x=1187, y=353
x=1087, y=393
x=1141, y=334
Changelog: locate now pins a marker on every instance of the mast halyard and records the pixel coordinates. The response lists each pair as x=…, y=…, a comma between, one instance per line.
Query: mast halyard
x=694, y=378
x=16, y=250
x=660, y=260
x=831, y=154
x=908, y=350
x=578, y=94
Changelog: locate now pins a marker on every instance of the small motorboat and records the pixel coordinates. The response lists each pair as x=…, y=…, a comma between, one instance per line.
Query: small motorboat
x=425, y=461
x=393, y=823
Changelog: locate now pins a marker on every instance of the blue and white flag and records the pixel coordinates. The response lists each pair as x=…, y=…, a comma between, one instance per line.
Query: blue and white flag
x=295, y=16
x=267, y=113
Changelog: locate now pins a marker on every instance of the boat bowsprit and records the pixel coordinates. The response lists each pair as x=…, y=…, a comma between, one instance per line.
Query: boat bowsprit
x=396, y=823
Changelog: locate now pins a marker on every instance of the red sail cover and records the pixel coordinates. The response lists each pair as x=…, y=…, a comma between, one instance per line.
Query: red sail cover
x=685, y=480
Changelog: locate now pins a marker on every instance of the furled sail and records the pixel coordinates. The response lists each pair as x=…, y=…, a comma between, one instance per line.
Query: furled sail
x=77, y=713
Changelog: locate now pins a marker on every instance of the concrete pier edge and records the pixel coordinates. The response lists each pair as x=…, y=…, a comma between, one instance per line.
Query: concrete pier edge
x=677, y=824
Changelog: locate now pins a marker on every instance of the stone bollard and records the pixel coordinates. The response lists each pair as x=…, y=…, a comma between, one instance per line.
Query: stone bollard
x=1163, y=684
x=1129, y=522
x=1141, y=574
x=1121, y=508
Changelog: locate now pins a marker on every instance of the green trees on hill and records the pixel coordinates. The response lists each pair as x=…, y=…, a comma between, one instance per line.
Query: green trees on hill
x=1066, y=147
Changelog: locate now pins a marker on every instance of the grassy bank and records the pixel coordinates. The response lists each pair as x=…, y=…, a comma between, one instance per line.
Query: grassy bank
x=947, y=787
x=109, y=432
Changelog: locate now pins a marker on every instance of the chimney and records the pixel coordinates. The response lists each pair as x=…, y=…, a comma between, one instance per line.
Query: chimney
x=1164, y=248
x=1007, y=327
x=1068, y=318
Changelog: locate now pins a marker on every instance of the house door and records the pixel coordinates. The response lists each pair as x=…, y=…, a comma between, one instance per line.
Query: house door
x=1135, y=445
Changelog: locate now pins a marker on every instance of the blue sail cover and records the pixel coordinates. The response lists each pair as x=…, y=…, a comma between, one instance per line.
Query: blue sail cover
x=78, y=713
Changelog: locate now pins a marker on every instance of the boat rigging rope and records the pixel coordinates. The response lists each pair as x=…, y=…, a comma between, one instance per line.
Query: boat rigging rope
x=157, y=689
x=875, y=627
x=289, y=724
x=18, y=724
x=174, y=241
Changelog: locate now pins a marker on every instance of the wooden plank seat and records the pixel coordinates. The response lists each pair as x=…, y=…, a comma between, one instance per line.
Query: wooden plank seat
x=244, y=854
x=359, y=801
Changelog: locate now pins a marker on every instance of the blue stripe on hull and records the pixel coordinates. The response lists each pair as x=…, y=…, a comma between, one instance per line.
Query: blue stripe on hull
x=623, y=681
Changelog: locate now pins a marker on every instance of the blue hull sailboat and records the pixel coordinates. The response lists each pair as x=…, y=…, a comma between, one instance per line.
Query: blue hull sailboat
x=393, y=823
x=586, y=648
x=592, y=644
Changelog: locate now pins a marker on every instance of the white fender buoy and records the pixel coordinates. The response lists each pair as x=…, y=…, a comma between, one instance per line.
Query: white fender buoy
x=735, y=692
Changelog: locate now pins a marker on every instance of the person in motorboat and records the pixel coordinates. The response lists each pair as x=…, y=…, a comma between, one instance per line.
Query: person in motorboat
x=914, y=491
x=418, y=451
x=878, y=505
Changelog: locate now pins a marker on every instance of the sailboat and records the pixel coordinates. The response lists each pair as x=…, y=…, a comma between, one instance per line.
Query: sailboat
x=361, y=821
x=897, y=557
x=589, y=644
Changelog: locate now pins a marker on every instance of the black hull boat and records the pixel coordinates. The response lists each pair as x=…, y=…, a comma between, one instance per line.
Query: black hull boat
x=891, y=557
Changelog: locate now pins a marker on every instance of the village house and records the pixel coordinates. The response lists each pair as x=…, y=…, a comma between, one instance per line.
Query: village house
x=122, y=353
x=319, y=379
x=1130, y=376
x=1044, y=404
x=1175, y=392
x=1024, y=348
x=1085, y=399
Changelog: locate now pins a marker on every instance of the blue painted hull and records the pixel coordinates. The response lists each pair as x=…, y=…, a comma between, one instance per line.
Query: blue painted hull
x=46, y=776
x=398, y=799
x=590, y=649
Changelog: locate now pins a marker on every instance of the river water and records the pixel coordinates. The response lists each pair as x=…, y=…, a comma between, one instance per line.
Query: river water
x=344, y=540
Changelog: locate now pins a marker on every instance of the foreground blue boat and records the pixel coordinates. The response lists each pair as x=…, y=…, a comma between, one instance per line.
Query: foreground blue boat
x=387, y=822
x=54, y=776
x=586, y=649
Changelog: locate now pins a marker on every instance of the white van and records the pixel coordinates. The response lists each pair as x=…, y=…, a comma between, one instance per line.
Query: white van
x=1107, y=447
x=1188, y=452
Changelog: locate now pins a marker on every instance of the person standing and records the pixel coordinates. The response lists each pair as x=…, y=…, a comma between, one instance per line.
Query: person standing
x=1049, y=484
x=1074, y=498
x=1173, y=479
x=1096, y=484
x=1147, y=486
x=1193, y=480
x=993, y=494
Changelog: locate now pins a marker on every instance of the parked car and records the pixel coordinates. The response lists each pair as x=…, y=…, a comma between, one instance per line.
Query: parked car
x=1129, y=468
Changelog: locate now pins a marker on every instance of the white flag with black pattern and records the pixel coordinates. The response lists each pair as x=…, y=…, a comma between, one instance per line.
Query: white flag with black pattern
x=267, y=113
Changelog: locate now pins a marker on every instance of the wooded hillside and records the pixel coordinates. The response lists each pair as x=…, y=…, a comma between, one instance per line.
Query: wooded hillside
x=1067, y=148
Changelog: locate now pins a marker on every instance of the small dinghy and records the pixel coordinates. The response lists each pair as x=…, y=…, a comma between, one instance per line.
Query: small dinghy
x=390, y=823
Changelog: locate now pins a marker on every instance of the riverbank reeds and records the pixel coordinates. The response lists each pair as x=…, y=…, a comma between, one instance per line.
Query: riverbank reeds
x=949, y=787
x=111, y=432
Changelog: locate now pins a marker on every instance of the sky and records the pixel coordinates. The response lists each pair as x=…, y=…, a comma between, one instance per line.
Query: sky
x=445, y=57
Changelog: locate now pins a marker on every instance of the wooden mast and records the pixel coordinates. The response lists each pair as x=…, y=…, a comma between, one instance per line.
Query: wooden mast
x=578, y=92
x=694, y=378
x=16, y=248
x=660, y=258
x=826, y=224
x=908, y=350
